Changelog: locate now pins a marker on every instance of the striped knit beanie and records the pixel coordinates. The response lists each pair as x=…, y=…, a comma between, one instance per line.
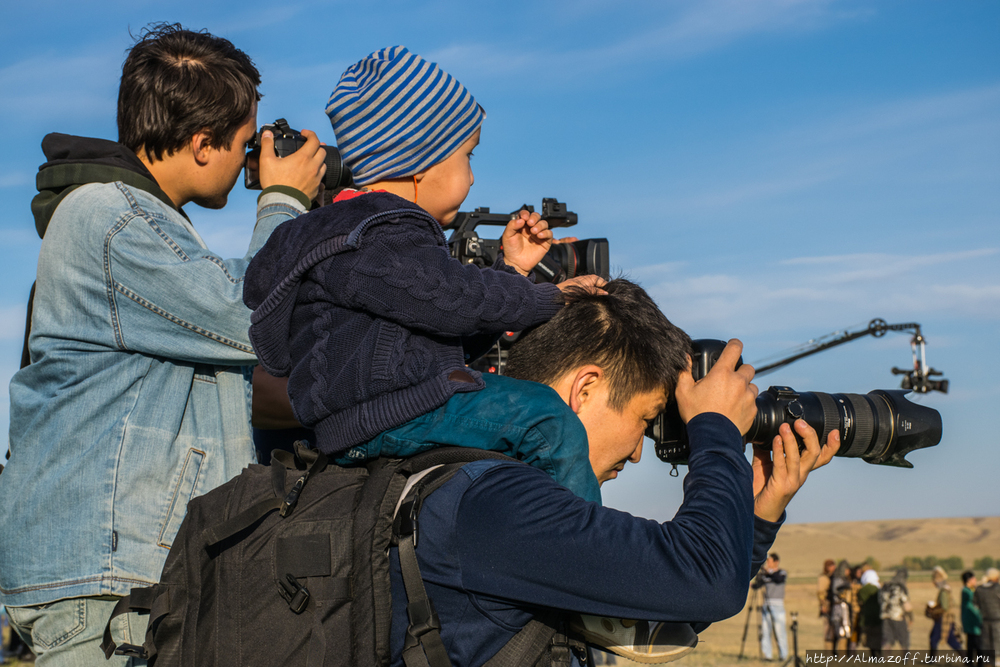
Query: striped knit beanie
x=395, y=114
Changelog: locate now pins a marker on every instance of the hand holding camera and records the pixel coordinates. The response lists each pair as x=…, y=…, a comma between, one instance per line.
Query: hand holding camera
x=526, y=239
x=780, y=472
x=279, y=155
x=881, y=427
x=726, y=389
x=302, y=170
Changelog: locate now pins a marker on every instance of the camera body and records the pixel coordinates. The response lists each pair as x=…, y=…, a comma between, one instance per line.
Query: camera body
x=287, y=141
x=881, y=427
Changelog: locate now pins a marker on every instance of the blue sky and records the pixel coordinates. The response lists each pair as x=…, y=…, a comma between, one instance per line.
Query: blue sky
x=772, y=170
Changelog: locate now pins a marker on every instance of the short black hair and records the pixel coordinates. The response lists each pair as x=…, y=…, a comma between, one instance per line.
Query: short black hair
x=177, y=82
x=774, y=556
x=622, y=332
x=968, y=574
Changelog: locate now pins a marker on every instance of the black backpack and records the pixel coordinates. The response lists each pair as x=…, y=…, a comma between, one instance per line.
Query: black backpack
x=288, y=565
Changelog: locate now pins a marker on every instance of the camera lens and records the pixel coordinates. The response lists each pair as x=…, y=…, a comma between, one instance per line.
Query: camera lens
x=879, y=427
x=338, y=175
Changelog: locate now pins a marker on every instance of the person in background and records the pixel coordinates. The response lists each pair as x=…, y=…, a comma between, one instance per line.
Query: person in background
x=871, y=611
x=972, y=619
x=897, y=612
x=772, y=613
x=987, y=599
x=840, y=615
x=942, y=613
x=855, y=639
x=823, y=596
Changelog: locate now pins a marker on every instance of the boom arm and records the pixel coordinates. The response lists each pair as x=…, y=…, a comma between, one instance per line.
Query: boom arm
x=917, y=379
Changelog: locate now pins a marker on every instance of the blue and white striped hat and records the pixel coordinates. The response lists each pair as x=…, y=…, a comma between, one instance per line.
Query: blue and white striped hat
x=395, y=114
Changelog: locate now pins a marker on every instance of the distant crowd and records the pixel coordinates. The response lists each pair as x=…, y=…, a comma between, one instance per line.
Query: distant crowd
x=859, y=611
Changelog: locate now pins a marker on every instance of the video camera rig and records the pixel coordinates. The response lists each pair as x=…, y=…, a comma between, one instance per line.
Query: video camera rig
x=562, y=262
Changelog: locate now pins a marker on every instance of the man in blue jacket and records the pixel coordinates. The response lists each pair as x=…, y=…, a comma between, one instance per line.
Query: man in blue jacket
x=501, y=541
x=135, y=395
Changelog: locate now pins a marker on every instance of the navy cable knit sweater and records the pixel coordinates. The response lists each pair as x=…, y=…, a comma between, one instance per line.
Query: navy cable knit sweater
x=360, y=304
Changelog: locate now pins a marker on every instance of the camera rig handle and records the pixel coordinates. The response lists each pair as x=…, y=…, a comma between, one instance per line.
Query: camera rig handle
x=553, y=211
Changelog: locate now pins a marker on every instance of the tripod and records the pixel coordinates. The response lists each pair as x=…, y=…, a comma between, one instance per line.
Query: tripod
x=794, y=660
x=746, y=626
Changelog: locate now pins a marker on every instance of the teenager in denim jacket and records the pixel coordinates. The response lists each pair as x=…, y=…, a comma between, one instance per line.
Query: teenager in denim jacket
x=137, y=394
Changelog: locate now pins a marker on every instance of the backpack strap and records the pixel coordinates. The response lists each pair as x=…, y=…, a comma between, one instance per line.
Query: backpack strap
x=153, y=600
x=423, y=646
x=282, y=501
x=542, y=641
x=528, y=645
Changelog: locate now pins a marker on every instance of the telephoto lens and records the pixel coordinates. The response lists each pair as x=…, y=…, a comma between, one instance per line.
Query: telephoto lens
x=880, y=427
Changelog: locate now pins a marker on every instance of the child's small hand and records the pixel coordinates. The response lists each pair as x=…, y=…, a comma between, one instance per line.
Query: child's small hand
x=525, y=241
x=588, y=282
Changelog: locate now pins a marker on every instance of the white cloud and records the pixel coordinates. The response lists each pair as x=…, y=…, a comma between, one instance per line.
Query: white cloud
x=14, y=179
x=77, y=85
x=833, y=289
x=928, y=111
x=894, y=151
x=672, y=31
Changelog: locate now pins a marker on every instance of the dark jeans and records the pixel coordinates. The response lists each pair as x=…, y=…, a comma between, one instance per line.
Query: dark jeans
x=953, y=640
x=972, y=647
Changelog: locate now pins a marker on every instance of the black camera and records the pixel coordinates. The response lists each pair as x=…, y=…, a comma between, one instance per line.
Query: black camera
x=561, y=262
x=881, y=427
x=286, y=142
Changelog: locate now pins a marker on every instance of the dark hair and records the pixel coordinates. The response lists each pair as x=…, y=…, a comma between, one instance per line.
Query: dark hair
x=623, y=332
x=968, y=574
x=177, y=82
x=774, y=556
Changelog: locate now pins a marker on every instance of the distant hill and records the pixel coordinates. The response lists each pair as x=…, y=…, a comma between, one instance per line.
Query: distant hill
x=803, y=547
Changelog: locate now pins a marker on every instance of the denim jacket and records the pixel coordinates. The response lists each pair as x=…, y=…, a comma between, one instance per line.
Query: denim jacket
x=137, y=397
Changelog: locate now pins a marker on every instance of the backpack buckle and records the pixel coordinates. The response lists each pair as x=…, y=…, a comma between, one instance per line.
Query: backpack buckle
x=298, y=595
x=293, y=496
x=131, y=651
x=423, y=618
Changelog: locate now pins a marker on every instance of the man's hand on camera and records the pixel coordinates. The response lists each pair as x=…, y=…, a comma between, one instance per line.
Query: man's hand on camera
x=302, y=170
x=525, y=240
x=726, y=390
x=780, y=472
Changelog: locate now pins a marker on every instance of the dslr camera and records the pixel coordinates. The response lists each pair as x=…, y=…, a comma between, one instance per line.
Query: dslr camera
x=286, y=142
x=880, y=427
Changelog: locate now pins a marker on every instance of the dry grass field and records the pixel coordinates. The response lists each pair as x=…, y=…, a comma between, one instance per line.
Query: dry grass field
x=804, y=547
